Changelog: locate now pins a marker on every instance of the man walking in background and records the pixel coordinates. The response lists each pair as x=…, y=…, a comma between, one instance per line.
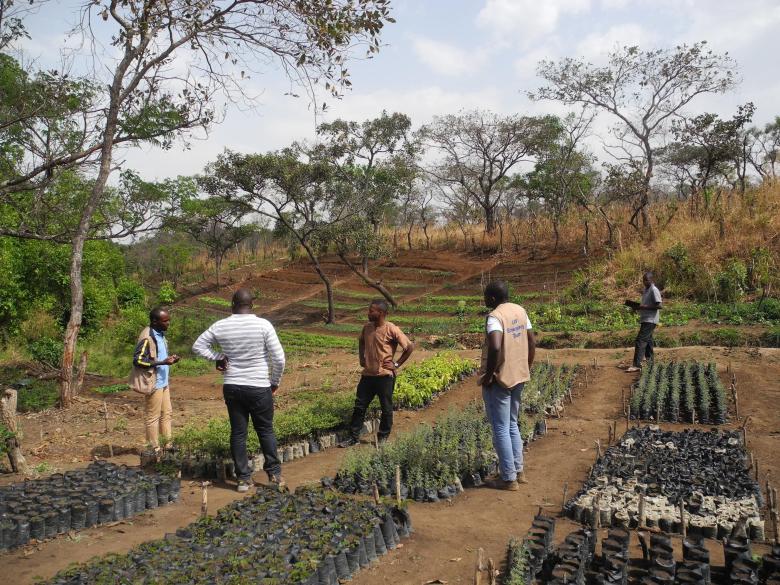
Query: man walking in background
x=379, y=341
x=648, y=320
x=507, y=357
x=247, y=342
x=150, y=374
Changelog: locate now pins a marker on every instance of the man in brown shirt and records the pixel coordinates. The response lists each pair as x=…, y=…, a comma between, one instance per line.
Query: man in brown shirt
x=379, y=341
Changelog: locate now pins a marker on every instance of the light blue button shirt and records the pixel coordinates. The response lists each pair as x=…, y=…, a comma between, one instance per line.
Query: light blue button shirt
x=162, y=353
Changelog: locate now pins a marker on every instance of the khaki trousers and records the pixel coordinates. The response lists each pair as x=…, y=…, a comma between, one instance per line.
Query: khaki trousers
x=157, y=416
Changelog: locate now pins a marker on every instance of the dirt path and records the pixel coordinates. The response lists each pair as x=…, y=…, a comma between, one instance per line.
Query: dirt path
x=448, y=533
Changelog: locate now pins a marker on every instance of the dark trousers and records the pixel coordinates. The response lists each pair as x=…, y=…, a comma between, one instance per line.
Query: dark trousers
x=243, y=402
x=368, y=387
x=644, y=345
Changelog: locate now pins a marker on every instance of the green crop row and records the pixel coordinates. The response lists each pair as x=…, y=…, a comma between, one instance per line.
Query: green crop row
x=214, y=301
x=324, y=412
x=677, y=391
x=310, y=341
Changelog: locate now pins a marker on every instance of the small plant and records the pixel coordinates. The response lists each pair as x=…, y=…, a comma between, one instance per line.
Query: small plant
x=517, y=572
x=43, y=468
x=111, y=388
x=167, y=293
x=121, y=424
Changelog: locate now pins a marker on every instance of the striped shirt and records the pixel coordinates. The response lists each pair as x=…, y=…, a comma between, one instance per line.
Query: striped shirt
x=249, y=342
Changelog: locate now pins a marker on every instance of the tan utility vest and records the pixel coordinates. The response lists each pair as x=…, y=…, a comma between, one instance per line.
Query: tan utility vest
x=512, y=366
x=143, y=380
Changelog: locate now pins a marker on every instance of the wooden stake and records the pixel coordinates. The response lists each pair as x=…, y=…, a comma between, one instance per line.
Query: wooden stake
x=398, y=484
x=756, y=468
x=736, y=400
x=586, y=378
x=105, y=414
x=565, y=493
x=375, y=489
x=8, y=400
x=479, y=567
x=204, y=498
x=642, y=509
x=609, y=434
x=614, y=431
x=598, y=449
x=752, y=461
x=683, y=525
x=82, y=372
x=492, y=572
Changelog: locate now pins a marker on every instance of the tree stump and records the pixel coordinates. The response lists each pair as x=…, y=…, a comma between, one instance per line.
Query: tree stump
x=8, y=418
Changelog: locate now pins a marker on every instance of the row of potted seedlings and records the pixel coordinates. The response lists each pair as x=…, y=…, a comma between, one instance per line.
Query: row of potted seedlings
x=311, y=537
x=536, y=560
x=680, y=392
x=203, y=450
x=103, y=492
x=651, y=472
x=435, y=461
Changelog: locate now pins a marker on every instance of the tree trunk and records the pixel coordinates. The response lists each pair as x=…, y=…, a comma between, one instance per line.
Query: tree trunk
x=557, y=235
x=377, y=285
x=365, y=265
x=80, y=236
x=325, y=280
x=586, y=244
x=490, y=219
x=500, y=236
x=409, y=235
x=218, y=265
x=427, y=237
x=8, y=418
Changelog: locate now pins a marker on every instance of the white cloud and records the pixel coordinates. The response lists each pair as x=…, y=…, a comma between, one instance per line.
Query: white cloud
x=447, y=59
x=615, y=4
x=527, y=20
x=525, y=65
x=596, y=46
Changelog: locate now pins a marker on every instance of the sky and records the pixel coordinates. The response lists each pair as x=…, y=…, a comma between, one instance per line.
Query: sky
x=443, y=56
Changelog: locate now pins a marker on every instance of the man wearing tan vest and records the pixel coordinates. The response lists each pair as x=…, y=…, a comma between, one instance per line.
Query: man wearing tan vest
x=507, y=357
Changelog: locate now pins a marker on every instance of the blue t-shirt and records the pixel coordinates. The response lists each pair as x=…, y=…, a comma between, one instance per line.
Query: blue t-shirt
x=162, y=353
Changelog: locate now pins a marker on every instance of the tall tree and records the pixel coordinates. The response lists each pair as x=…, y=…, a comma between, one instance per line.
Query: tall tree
x=298, y=189
x=706, y=148
x=144, y=98
x=477, y=150
x=643, y=91
x=764, y=150
x=217, y=223
x=371, y=153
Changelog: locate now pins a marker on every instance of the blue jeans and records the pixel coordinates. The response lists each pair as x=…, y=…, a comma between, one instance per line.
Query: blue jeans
x=503, y=407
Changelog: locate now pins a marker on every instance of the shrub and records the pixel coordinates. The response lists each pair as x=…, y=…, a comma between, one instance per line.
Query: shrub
x=47, y=351
x=167, y=293
x=732, y=280
x=771, y=337
x=129, y=293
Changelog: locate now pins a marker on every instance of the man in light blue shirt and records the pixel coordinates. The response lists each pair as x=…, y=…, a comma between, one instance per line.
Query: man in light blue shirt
x=151, y=365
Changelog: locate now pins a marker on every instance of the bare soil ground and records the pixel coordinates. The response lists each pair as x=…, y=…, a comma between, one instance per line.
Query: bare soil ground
x=447, y=533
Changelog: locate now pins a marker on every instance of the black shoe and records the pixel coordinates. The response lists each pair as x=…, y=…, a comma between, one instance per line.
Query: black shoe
x=348, y=442
x=382, y=440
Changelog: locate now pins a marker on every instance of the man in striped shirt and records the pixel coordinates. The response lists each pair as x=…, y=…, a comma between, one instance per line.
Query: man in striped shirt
x=246, y=344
